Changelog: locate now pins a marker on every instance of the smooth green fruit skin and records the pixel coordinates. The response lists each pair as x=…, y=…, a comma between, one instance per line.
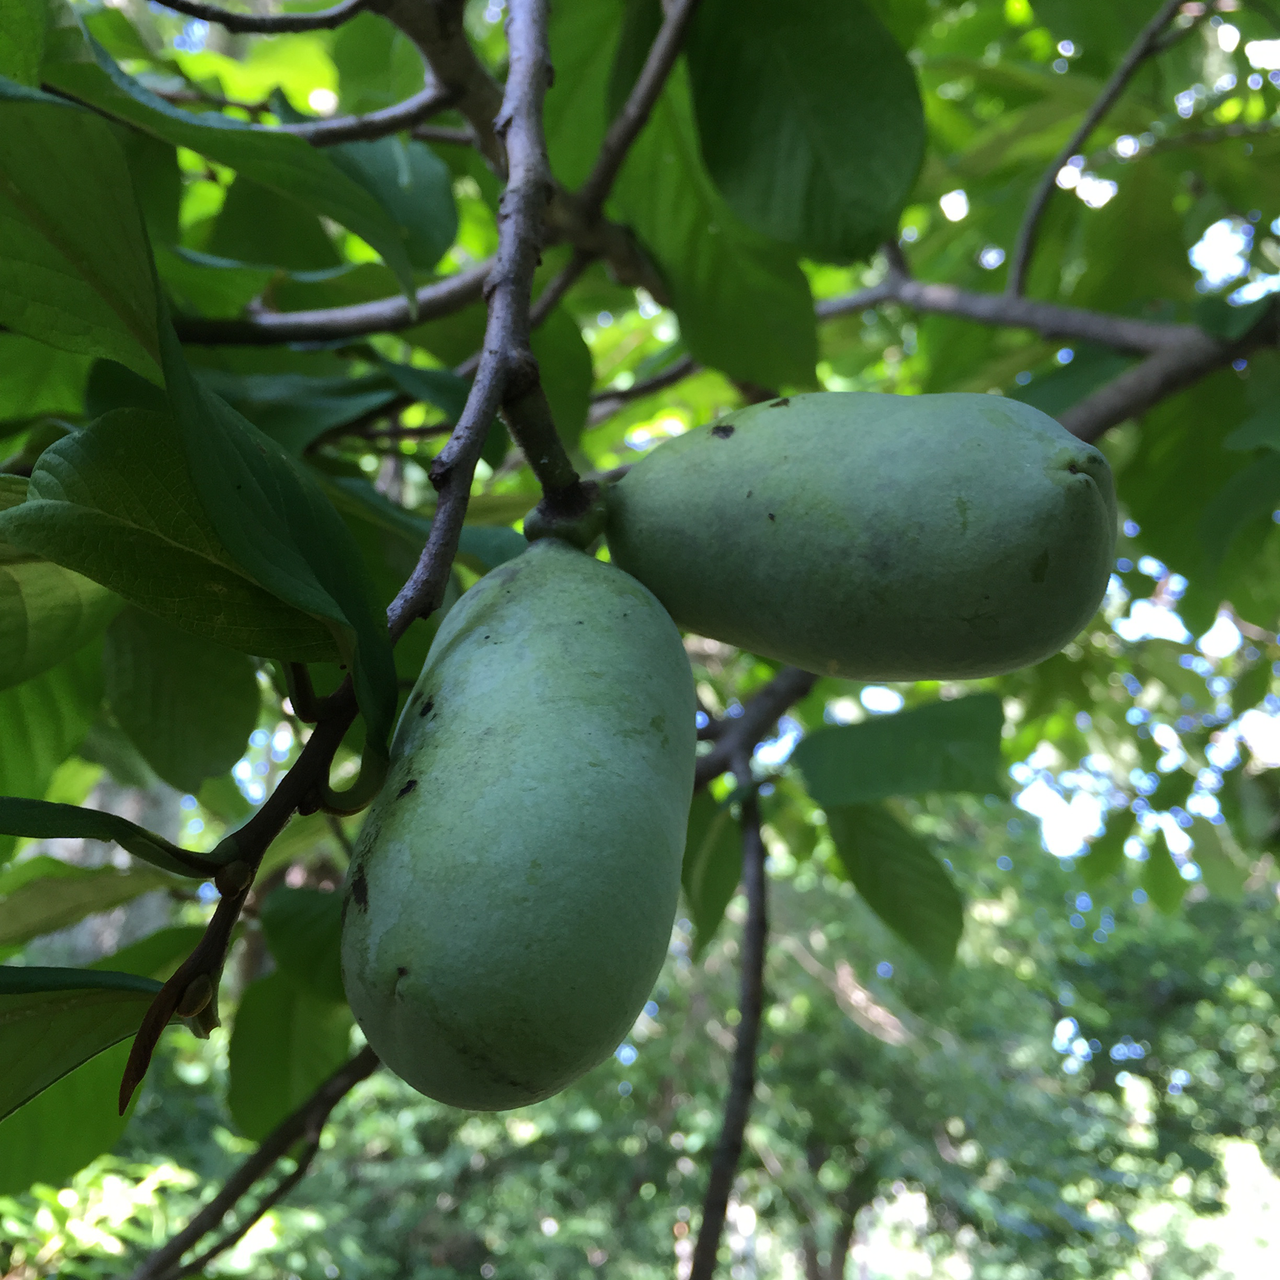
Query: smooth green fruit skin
x=875, y=537
x=512, y=893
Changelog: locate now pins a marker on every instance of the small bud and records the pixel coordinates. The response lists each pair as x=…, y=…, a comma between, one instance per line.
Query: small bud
x=196, y=997
x=234, y=878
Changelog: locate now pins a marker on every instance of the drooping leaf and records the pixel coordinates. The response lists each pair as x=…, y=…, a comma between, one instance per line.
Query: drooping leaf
x=1162, y=879
x=742, y=301
x=44, y=720
x=1106, y=853
x=42, y=894
x=52, y=1020
x=413, y=185
x=303, y=929
x=285, y=1042
x=564, y=361
x=377, y=64
x=712, y=866
x=809, y=118
x=114, y=502
x=901, y=880
x=42, y=819
x=282, y=162
x=76, y=270
x=942, y=746
x=259, y=225
x=275, y=521
x=188, y=704
x=46, y=612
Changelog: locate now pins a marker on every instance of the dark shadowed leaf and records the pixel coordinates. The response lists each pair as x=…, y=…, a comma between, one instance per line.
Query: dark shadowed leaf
x=901, y=880
x=22, y=40
x=809, y=118
x=76, y=270
x=712, y=866
x=942, y=746
x=187, y=726
x=258, y=225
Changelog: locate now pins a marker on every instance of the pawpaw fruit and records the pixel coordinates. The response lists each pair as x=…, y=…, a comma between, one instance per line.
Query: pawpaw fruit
x=510, y=899
x=875, y=537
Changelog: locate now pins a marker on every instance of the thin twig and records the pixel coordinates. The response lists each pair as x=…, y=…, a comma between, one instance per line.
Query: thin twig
x=740, y=734
x=375, y=124
x=742, y=1078
x=384, y=315
x=268, y=24
x=604, y=404
x=631, y=119
x=560, y=284
x=304, y=1123
x=504, y=378
x=1114, y=87
x=232, y=1236
x=443, y=133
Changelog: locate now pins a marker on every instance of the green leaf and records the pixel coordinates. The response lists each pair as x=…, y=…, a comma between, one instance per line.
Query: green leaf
x=901, y=880
x=583, y=40
x=377, y=64
x=413, y=185
x=282, y=162
x=42, y=894
x=44, y=720
x=274, y=519
x=46, y=612
x=810, y=121
x=1162, y=879
x=284, y=1044
x=43, y=819
x=114, y=502
x=52, y=1020
x=258, y=225
x=743, y=303
x=76, y=271
x=564, y=360
x=22, y=28
x=188, y=705
x=39, y=378
x=712, y=866
x=304, y=929
x=1249, y=495
x=59, y=1131
x=942, y=746
x=1262, y=431
x=1106, y=853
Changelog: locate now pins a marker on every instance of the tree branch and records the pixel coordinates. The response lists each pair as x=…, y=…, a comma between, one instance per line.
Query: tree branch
x=304, y=1123
x=626, y=126
x=1141, y=48
x=740, y=734
x=428, y=102
x=436, y=27
x=742, y=1078
x=272, y=24
x=604, y=404
x=1161, y=375
x=1046, y=318
x=384, y=315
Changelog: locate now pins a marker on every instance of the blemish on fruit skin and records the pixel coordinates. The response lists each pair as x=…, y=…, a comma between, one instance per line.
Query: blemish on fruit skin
x=1040, y=566
x=723, y=431
x=780, y=404
x=962, y=510
x=360, y=890
x=772, y=516
x=427, y=708
x=408, y=786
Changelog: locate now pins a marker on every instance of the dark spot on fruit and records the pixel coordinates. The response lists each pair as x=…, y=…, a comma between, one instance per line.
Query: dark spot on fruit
x=1073, y=470
x=1040, y=566
x=427, y=708
x=402, y=971
x=750, y=492
x=772, y=516
x=723, y=431
x=408, y=786
x=360, y=890
x=781, y=404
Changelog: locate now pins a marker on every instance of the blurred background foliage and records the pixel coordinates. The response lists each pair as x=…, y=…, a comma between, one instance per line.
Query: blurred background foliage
x=1090, y=1089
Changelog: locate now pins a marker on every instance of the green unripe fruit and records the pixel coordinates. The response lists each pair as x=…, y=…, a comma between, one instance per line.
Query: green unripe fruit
x=875, y=537
x=511, y=897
